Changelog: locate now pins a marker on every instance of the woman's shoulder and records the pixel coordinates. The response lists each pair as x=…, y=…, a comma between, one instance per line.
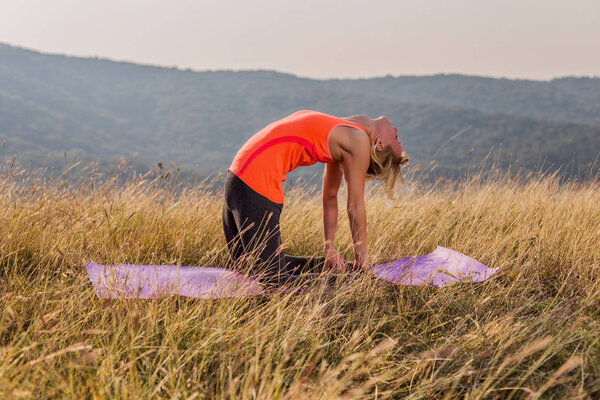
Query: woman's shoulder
x=347, y=139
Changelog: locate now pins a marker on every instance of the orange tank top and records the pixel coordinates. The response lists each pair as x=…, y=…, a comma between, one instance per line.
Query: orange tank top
x=301, y=138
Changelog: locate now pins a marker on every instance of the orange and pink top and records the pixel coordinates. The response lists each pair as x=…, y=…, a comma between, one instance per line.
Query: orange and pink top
x=301, y=138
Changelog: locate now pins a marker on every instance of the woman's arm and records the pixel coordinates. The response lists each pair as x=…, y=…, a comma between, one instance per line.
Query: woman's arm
x=332, y=178
x=355, y=163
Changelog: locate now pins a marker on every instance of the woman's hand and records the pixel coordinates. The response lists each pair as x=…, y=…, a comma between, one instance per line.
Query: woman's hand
x=334, y=259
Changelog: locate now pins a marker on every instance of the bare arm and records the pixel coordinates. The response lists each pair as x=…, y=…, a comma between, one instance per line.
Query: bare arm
x=332, y=178
x=355, y=163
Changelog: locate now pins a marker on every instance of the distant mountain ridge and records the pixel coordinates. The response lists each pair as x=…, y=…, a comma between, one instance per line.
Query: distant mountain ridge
x=98, y=108
x=562, y=99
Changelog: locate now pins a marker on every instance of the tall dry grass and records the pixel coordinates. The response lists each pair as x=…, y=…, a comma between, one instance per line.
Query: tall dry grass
x=530, y=332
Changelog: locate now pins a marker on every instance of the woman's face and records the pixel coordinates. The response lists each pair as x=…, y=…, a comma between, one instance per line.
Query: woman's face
x=387, y=135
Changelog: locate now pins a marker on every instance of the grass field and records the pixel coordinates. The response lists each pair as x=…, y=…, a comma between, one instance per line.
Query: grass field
x=532, y=331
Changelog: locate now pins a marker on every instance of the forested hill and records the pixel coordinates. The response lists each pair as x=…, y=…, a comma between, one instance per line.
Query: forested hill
x=565, y=99
x=101, y=109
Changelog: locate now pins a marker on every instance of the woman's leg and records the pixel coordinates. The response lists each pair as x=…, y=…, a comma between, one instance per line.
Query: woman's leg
x=251, y=224
x=295, y=265
x=255, y=240
x=261, y=239
x=234, y=244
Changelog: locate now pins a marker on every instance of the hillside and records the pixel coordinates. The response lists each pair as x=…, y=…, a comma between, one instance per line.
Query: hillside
x=565, y=99
x=99, y=109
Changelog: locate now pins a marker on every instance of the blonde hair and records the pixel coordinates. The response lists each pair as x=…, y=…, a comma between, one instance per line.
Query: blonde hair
x=386, y=168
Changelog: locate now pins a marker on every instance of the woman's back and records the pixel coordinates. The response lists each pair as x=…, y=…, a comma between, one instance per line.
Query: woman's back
x=296, y=140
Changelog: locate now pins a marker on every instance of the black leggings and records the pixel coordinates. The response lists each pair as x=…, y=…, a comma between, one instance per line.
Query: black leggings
x=251, y=225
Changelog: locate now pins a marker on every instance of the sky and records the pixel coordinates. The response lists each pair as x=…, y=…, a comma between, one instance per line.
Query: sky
x=530, y=39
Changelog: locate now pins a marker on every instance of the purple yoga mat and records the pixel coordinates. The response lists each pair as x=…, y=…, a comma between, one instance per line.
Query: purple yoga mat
x=439, y=268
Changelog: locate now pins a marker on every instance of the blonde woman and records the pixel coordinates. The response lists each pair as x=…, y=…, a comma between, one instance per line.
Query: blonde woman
x=355, y=148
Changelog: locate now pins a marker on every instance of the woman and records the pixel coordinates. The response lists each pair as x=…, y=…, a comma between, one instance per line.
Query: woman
x=356, y=148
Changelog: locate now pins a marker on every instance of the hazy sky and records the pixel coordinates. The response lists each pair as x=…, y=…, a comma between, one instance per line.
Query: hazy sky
x=537, y=39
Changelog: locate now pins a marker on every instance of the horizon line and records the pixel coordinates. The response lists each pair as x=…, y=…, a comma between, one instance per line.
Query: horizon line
x=188, y=69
